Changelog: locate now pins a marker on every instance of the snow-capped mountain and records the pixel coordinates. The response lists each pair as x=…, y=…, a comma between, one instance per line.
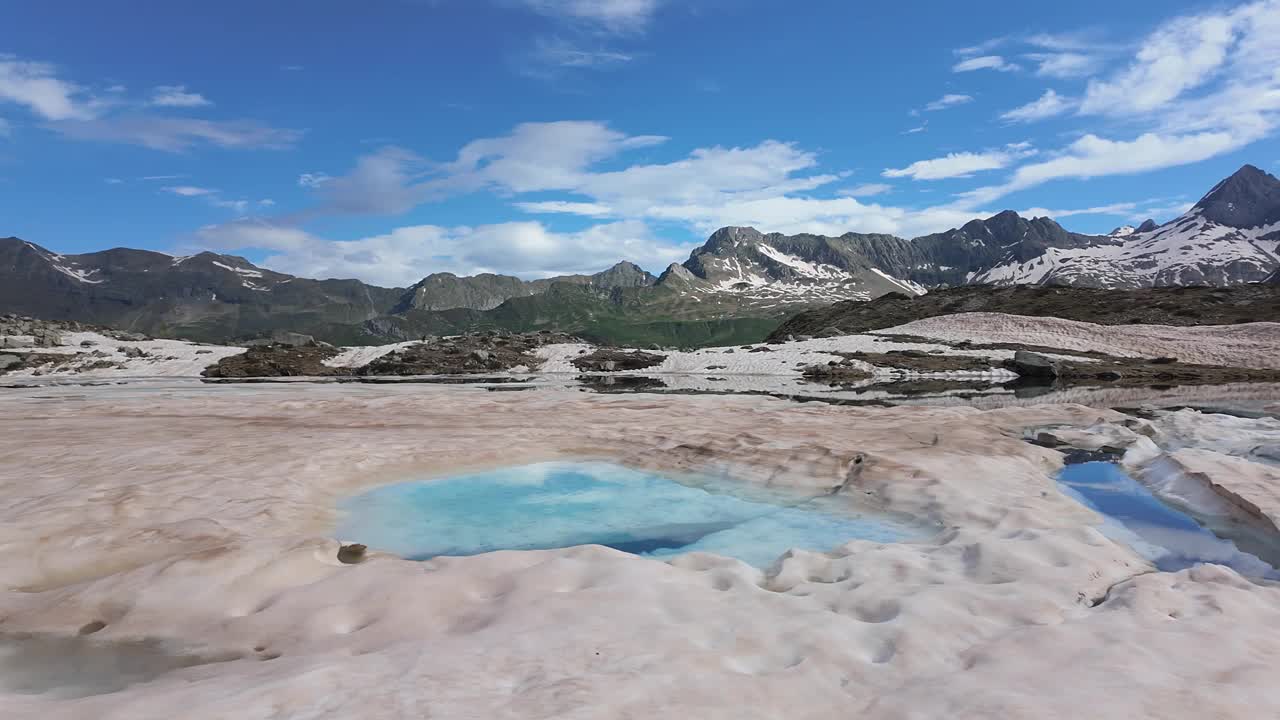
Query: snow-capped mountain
x=770, y=271
x=1126, y=230
x=1231, y=236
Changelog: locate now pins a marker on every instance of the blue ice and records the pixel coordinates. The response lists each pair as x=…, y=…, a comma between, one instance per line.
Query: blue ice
x=554, y=505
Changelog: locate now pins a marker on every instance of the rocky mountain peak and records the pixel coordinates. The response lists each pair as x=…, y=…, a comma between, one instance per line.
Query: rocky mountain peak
x=623, y=275
x=1247, y=199
x=1126, y=230
x=677, y=275
x=728, y=239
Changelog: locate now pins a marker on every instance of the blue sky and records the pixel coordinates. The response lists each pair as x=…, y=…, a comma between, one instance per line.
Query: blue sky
x=393, y=138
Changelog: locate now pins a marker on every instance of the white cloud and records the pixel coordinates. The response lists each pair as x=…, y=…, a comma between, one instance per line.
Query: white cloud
x=1162, y=212
x=73, y=112
x=35, y=86
x=769, y=185
x=266, y=202
x=189, y=190
x=1119, y=209
x=867, y=190
x=407, y=254
x=161, y=177
x=175, y=134
x=313, y=180
x=113, y=181
x=1048, y=105
x=570, y=208
x=177, y=96
x=1180, y=55
x=1092, y=156
x=534, y=157
x=917, y=129
x=982, y=48
x=948, y=100
x=382, y=183
x=559, y=53
x=1199, y=86
x=238, y=206
x=211, y=196
x=1068, y=42
x=542, y=156
x=611, y=15
x=823, y=216
x=962, y=164
x=985, y=62
x=1066, y=64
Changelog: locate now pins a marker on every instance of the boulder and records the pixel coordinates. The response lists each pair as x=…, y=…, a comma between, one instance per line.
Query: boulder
x=133, y=352
x=606, y=360
x=1029, y=364
x=9, y=362
x=351, y=554
x=830, y=332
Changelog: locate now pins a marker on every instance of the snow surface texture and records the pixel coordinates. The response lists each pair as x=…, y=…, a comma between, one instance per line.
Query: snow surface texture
x=1253, y=345
x=1262, y=397
x=162, y=358
x=1187, y=251
x=198, y=516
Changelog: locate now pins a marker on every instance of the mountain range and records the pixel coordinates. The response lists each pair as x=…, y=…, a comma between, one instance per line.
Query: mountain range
x=734, y=288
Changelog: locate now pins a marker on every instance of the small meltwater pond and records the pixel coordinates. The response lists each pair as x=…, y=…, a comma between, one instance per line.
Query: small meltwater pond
x=555, y=505
x=1172, y=539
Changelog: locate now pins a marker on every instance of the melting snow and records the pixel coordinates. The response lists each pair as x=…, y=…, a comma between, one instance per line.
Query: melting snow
x=240, y=271
x=911, y=287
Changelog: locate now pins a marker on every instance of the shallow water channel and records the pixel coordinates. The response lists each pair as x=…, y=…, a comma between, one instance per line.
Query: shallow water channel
x=1172, y=538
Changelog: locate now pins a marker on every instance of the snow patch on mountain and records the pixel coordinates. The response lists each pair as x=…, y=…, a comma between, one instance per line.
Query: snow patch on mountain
x=69, y=268
x=912, y=288
x=1189, y=251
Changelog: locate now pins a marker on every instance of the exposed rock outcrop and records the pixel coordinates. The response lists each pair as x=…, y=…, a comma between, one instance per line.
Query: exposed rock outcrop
x=465, y=355
x=607, y=360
